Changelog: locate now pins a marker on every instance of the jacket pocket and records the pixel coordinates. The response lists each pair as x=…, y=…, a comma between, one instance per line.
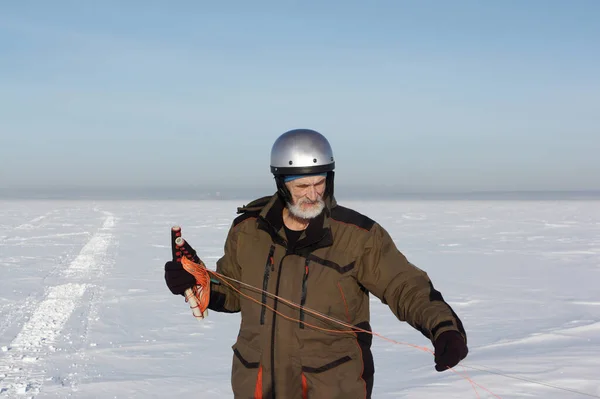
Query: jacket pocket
x=246, y=372
x=332, y=377
x=269, y=267
x=326, y=367
x=303, y=291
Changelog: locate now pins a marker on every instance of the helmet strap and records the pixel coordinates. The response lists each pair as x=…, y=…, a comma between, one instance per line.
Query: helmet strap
x=282, y=190
x=329, y=184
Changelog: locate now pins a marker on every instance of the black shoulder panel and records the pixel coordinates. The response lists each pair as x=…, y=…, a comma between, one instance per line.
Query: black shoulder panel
x=256, y=205
x=251, y=210
x=244, y=216
x=350, y=216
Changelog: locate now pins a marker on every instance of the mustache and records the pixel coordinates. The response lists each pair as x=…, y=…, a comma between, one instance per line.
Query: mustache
x=307, y=201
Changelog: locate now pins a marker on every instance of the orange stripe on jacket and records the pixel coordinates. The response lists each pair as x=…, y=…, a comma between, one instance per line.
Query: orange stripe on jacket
x=304, y=387
x=258, y=389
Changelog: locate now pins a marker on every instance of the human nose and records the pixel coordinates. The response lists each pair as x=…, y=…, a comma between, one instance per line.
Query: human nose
x=311, y=193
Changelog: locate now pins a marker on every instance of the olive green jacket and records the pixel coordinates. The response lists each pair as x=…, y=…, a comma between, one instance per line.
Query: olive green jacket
x=287, y=352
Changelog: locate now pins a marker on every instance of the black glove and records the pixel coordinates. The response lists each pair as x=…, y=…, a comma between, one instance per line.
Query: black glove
x=450, y=348
x=177, y=278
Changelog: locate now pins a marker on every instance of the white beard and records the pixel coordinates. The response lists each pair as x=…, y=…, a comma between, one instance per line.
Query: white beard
x=310, y=213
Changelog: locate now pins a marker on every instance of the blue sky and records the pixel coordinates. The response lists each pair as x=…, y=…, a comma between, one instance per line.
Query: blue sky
x=427, y=95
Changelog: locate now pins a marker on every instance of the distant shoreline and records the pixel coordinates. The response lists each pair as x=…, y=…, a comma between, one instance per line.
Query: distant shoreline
x=196, y=194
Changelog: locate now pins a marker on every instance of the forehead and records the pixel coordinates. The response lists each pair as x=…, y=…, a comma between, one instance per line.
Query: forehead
x=308, y=180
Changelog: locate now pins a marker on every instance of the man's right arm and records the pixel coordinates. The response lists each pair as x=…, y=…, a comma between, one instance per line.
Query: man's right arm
x=222, y=297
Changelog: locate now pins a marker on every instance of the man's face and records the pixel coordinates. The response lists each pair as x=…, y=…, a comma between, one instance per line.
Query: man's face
x=307, y=196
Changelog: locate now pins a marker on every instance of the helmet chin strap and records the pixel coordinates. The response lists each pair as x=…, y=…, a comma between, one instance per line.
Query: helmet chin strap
x=329, y=185
x=282, y=190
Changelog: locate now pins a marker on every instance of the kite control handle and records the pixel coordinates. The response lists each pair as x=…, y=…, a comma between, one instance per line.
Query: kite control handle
x=198, y=296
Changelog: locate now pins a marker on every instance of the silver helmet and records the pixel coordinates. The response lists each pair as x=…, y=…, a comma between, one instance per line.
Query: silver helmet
x=301, y=151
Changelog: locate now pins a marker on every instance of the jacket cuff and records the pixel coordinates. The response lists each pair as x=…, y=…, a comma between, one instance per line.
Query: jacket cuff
x=448, y=325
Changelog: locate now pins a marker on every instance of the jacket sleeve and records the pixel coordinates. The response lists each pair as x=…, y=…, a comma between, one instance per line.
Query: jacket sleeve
x=222, y=297
x=405, y=288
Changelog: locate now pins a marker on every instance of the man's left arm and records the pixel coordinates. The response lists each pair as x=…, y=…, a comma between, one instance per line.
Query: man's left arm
x=409, y=292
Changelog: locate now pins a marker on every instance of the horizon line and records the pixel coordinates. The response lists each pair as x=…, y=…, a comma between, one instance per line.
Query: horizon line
x=247, y=193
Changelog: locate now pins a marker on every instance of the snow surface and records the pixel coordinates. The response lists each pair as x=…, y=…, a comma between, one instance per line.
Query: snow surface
x=84, y=310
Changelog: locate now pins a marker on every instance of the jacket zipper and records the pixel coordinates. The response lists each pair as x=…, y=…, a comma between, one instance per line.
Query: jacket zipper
x=269, y=267
x=303, y=299
x=273, y=326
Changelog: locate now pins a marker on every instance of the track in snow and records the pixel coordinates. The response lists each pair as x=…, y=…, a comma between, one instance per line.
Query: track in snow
x=23, y=368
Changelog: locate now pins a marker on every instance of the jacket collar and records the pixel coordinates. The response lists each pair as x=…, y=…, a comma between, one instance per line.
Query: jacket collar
x=317, y=234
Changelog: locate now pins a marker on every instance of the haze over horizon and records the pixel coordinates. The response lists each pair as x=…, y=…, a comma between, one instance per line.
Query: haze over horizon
x=421, y=97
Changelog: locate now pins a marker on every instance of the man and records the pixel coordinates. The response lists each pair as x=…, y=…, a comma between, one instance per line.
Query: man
x=303, y=247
